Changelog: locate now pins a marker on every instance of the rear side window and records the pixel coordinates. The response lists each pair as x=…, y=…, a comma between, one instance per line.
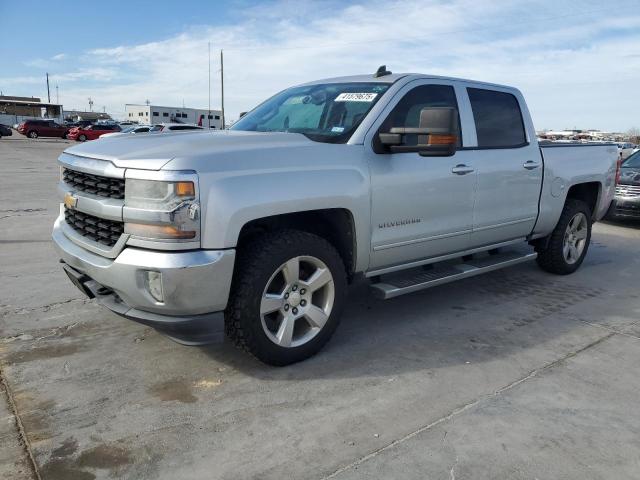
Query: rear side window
x=497, y=117
x=185, y=127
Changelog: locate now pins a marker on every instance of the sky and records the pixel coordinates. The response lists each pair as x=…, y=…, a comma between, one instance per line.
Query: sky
x=576, y=61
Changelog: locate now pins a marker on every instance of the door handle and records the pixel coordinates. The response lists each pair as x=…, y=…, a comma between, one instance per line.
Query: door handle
x=462, y=169
x=531, y=165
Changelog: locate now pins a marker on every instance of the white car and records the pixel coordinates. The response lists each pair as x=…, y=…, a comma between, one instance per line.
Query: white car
x=130, y=130
x=174, y=127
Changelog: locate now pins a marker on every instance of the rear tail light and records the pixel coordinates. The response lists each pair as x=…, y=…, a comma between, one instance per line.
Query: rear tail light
x=618, y=164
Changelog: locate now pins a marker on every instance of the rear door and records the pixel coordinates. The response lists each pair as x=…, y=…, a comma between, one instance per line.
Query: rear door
x=508, y=164
x=42, y=127
x=54, y=129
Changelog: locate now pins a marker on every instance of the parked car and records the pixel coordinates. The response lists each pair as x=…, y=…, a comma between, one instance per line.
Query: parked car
x=92, y=132
x=5, y=131
x=175, y=127
x=627, y=198
x=265, y=224
x=130, y=130
x=42, y=128
x=79, y=123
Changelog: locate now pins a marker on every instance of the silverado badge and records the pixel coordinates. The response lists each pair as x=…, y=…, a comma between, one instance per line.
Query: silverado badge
x=70, y=201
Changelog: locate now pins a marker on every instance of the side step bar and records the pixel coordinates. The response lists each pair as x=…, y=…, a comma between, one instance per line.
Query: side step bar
x=400, y=284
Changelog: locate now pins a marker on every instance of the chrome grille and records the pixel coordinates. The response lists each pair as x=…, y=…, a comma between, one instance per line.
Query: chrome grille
x=106, y=232
x=628, y=190
x=94, y=184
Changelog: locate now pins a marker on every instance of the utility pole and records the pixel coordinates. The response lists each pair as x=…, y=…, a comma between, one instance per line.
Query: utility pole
x=209, y=113
x=90, y=105
x=48, y=93
x=57, y=96
x=222, y=85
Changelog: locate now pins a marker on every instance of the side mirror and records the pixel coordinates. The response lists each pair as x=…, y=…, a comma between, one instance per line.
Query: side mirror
x=437, y=134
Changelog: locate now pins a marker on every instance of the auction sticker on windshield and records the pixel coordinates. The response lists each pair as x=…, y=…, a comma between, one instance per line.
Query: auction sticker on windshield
x=356, y=97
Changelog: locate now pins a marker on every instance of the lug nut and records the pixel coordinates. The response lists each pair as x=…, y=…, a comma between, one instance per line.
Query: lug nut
x=303, y=302
x=294, y=288
x=295, y=311
x=286, y=307
x=302, y=291
x=286, y=295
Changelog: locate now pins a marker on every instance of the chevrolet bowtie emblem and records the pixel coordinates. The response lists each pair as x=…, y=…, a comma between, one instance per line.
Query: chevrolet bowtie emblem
x=70, y=201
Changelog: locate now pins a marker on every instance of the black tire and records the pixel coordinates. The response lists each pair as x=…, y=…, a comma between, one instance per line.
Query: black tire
x=32, y=134
x=82, y=138
x=551, y=258
x=255, y=264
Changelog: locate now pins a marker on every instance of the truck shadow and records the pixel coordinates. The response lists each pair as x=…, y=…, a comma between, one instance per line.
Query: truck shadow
x=468, y=322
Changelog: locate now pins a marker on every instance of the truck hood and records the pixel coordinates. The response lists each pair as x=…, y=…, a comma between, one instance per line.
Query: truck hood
x=153, y=151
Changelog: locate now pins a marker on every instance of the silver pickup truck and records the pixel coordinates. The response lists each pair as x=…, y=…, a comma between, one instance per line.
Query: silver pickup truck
x=409, y=180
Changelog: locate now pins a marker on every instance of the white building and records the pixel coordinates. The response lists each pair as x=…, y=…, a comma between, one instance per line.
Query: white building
x=154, y=114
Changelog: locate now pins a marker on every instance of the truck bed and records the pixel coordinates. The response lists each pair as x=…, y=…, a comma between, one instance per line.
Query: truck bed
x=568, y=164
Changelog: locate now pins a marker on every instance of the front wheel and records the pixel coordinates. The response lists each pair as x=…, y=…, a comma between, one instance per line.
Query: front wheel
x=568, y=243
x=287, y=295
x=33, y=134
x=82, y=138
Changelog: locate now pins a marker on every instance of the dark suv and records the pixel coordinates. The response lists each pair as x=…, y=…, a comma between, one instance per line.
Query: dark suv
x=627, y=199
x=42, y=128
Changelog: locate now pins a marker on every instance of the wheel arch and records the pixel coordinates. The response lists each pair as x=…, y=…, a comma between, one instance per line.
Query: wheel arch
x=336, y=225
x=588, y=193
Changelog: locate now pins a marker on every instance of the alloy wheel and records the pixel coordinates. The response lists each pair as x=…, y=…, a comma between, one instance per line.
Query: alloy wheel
x=297, y=301
x=575, y=238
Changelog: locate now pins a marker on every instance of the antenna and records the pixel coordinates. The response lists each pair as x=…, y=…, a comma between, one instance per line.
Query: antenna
x=381, y=72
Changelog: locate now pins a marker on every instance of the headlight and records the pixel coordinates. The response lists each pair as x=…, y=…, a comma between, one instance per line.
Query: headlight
x=157, y=195
x=161, y=210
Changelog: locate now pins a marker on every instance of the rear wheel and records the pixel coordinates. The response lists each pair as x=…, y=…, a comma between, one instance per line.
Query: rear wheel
x=569, y=242
x=32, y=134
x=287, y=295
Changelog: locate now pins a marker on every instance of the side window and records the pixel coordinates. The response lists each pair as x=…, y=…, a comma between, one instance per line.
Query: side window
x=497, y=117
x=407, y=112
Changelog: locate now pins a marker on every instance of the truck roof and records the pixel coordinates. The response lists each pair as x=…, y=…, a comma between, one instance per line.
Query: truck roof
x=393, y=77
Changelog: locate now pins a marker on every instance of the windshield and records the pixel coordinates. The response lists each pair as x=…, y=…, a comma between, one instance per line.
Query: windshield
x=633, y=160
x=128, y=129
x=324, y=113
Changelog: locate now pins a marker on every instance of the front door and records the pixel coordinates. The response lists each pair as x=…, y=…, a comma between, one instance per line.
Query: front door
x=421, y=206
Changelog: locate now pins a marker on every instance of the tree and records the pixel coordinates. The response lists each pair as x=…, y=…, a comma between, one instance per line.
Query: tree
x=634, y=135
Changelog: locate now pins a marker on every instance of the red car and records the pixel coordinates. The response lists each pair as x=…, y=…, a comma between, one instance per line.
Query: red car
x=92, y=132
x=42, y=128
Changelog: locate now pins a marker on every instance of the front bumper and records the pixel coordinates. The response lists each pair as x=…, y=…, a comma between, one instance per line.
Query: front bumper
x=195, y=283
